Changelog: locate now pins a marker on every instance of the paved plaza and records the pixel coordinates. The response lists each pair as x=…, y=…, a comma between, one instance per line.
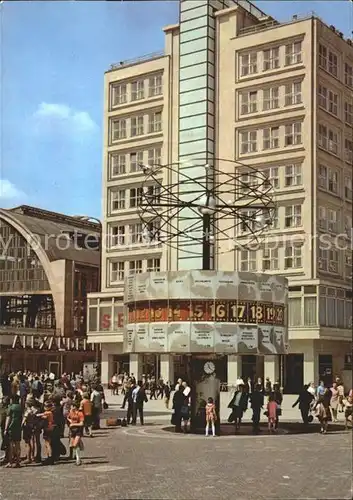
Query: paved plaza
x=152, y=462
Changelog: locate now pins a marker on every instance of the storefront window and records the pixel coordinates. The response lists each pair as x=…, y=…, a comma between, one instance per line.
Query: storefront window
x=92, y=319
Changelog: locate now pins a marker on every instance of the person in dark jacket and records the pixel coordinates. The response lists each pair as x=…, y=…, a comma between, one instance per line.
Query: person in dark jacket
x=128, y=399
x=178, y=403
x=238, y=405
x=304, y=401
x=257, y=402
x=58, y=429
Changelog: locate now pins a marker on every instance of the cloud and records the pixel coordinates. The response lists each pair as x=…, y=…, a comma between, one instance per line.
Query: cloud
x=9, y=191
x=62, y=118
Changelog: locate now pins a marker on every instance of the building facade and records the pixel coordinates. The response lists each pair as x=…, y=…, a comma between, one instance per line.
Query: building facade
x=48, y=264
x=233, y=83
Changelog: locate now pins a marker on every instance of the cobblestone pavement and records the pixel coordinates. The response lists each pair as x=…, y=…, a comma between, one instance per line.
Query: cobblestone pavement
x=150, y=463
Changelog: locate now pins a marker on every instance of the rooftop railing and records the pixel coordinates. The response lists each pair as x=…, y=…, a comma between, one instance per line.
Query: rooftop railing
x=271, y=23
x=137, y=60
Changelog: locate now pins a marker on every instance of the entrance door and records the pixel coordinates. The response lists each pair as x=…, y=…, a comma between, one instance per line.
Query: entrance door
x=54, y=367
x=325, y=369
x=294, y=368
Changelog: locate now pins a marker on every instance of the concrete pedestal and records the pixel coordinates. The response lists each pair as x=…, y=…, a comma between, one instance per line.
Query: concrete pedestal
x=167, y=368
x=135, y=367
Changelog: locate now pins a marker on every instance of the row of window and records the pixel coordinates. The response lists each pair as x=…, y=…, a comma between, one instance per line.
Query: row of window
x=331, y=220
x=122, y=93
x=135, y=126
x=123, y=163
x=120, y=269
x=254, y=101
x=329, y=180
x=253, y=62
x=122, y=199
x=333, y=311
x=134, y=234
x=272, y=138
x=271, y=259
x=329, y=61
x=330, y=101
x=329, y=139
x=279, y=177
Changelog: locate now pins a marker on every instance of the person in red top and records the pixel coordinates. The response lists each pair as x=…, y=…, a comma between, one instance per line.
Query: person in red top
x=76, y=421
x=48, y=429
x=211, y=416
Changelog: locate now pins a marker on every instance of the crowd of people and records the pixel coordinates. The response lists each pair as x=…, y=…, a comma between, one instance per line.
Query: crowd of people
x=36, y=407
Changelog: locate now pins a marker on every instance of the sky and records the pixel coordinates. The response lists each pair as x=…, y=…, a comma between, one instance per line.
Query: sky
x=53, y=57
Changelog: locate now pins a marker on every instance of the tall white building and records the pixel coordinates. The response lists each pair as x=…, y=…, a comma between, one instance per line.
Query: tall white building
x=234, y=83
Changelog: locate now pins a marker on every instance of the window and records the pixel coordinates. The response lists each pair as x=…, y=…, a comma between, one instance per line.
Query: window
x=118, y=129
x=248, y=142
x=294, y=311
x=323, y=259
x=119, y=94
x=322, y=218
x=348, y=113
x=332, y=103
x=270, y=98
x=137, y=125
x=323, y=96
x=293, y=216
x=328, y=60
x=332, y=186
x=293, y=93
x=332, y=222
x=135, y=266
x=271, y=58
x=155, y=122
x=153, y=265
x=137, y=90
x=136, y=159
x=248, y=103
x=272, y=174
x=117, y=236
x=348, y=75
x=293, y=256
x=154, y=156
x=348, y=226
x=293, y=175
x=248, y=64
x=274, y=220
x=153, y=231
x=322, y=56
x=153, y=193
x=348, y=262
x=270, y=259
x=248, y=260
x=136, y=197
x=247, y=182
x=118, y=200
x=135, y=232
x=293, y=134
x=323, y=176
x=155, y=85
x=328, y=139
x=271, y=138
x=248, y=220
x=310, y=311
x=348, y=188
x=293, y=53
x=117, y=271
x=333, y=261
x=118, y=165
x=332, y=64
x=348, y=151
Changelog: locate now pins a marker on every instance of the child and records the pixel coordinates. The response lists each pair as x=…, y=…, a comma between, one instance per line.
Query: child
x=86, y=408
x=322, y=412
x=348, y=410
x=28, y=425
x=76, y=419
x=48, y=430
x=211, y=416
x=272, y=413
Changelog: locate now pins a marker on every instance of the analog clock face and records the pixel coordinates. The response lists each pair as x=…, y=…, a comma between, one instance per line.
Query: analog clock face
x=209, y=367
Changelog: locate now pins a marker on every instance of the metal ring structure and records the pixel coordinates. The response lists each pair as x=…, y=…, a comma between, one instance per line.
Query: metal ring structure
x=238, y=199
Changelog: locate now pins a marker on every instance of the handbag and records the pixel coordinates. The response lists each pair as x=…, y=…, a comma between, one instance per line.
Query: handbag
x=105, y=406
x=231, y=418
x=184, y=411
x=279, y=411
x=5, y=443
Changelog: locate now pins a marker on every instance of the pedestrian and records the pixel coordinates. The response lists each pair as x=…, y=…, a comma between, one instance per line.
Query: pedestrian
x=348, y=410
x=304, y=401
x=48, y=426
x=278, y=397
x=13, y=428
x=178, y=402
x=271, y=413
x=211, y=417
x=139, y=397
x=28, y=425
x=96, y=399
x=257, y=402
x=322, y=412
x=86, y=408
x=167, y=391
x=238, y=405
x=334, y=401
x=76, y=421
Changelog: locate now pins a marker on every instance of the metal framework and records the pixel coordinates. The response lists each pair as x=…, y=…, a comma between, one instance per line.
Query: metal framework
x=230, y=205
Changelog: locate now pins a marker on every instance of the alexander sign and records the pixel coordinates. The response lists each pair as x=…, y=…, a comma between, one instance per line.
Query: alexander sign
x=46, y=343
